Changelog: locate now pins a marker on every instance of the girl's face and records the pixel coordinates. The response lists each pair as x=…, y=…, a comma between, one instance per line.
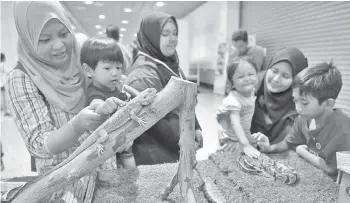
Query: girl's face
x=245, y=78
x=55, y=43
x=279, y=77
x=168, y=39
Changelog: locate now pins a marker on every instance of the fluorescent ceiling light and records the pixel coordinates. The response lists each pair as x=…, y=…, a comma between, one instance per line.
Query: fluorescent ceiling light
x=121, y=35
x=160, y=4
x=97, y=26
x=122, y=29
x=135, y=34
x=102, y=17
x=125, y=22
x=99, y=4
x=127, y=10
x=88, y=2
x=82, y=8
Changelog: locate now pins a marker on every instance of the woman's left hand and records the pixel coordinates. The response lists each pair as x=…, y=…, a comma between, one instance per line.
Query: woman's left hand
x=199, y=139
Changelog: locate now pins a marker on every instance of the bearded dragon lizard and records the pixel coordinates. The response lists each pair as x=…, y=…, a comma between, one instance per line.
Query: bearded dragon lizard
x=118, y=119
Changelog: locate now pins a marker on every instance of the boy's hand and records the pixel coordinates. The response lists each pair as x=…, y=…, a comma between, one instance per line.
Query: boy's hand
x=109, y=106
x=301, y=148
x=251, y=151
x=263, y=142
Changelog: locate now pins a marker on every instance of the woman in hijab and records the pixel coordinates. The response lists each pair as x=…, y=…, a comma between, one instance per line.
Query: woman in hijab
x=274, y=106
x=153, y=66
x=47, y=86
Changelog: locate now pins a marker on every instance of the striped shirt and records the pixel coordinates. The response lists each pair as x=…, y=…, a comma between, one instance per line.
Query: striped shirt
x=35, y=119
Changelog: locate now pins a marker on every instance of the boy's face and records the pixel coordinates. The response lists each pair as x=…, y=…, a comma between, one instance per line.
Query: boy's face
x=107, y=74
x=307, y=105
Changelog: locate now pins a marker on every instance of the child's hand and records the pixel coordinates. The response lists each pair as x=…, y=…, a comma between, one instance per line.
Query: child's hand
x=263, y=141
x=300, y=148
x=251, y=151
x=109, y=106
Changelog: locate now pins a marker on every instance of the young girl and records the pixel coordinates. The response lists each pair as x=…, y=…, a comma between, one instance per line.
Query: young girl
x=235, y=114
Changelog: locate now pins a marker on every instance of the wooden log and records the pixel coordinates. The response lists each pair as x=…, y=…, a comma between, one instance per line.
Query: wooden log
x=171, y=97
x=184, y=175
x=187, y=147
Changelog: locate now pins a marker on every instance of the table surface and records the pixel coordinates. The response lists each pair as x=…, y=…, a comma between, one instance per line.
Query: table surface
x=144, y=184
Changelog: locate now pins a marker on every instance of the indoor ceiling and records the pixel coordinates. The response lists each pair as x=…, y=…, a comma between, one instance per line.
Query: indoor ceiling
x=92, y=17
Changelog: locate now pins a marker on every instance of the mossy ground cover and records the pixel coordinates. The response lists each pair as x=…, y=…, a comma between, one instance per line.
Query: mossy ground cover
x=313, y=186
x=143, y=185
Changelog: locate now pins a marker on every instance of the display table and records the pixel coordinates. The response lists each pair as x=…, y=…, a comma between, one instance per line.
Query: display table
x=143, y=185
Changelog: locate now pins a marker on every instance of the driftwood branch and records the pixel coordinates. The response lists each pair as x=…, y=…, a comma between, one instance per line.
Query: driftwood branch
x=178, y=94
x=187, y=147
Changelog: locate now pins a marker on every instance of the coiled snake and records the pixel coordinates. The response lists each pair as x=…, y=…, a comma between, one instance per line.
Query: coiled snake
x=265, y=166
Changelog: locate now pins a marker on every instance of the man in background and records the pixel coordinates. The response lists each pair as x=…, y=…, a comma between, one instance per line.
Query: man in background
x=242, y=48
x=112, y=31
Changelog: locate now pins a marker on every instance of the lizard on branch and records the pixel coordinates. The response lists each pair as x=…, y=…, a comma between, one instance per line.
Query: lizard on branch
x=118, y=119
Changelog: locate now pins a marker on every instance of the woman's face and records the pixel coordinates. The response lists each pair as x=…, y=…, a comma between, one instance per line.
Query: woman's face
x=279, y=77
x=55, y=43
x=168, y=39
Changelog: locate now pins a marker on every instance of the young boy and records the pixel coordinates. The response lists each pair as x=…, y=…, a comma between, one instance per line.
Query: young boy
x=319, y=131
x=102, y=60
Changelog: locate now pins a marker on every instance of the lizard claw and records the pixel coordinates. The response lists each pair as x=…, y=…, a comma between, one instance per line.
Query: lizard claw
x=100, y=150
x=142, y=121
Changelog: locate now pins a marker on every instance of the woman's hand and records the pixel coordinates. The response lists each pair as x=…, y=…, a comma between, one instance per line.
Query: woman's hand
x=251, y=151
x=87, y=119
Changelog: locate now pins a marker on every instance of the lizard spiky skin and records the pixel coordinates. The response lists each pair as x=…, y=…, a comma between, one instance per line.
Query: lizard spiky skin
x=117, y=120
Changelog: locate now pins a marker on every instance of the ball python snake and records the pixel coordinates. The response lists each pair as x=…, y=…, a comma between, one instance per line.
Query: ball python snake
x=267, y=167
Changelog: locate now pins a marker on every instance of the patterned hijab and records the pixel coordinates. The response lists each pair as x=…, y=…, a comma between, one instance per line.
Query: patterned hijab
x=278, y=105
x=63, y=87
x=148, y=38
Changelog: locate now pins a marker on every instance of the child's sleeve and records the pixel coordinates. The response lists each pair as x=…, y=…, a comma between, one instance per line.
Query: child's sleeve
x=295, y=137
x=229, y=104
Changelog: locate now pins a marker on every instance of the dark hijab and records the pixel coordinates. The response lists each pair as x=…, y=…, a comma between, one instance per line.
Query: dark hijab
x=148, y=38
x=278, y=106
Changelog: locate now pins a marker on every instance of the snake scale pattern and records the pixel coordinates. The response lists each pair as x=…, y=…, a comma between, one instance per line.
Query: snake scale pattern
x=265, y=166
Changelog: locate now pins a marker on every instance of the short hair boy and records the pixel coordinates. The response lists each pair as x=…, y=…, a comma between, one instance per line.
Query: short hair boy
x=102, y=60
x=320, y=130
